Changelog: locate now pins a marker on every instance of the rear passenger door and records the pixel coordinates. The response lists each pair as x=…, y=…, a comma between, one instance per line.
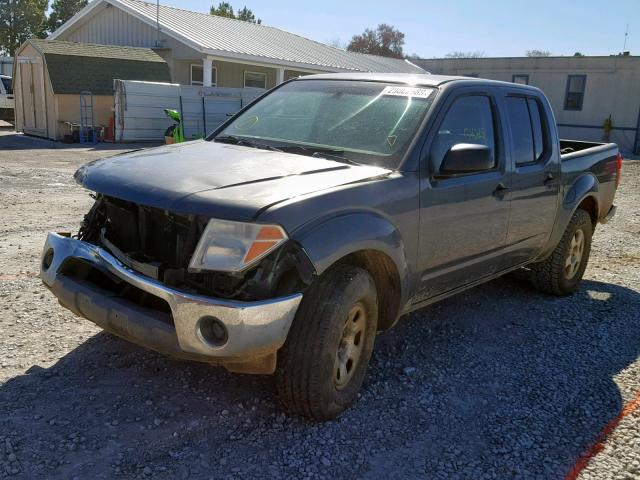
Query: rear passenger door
x=535, y=178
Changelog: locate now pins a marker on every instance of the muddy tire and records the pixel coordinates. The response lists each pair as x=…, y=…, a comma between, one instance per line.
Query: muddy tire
x=561, y=273
x=324, y=360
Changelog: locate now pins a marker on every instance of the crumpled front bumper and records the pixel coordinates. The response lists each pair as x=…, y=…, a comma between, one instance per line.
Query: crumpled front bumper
x=254, y=330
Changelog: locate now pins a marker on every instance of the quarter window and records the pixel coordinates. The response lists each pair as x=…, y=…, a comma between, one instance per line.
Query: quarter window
x=469, y=120
x=528, y=135
x=575, y=92
x=255, y=80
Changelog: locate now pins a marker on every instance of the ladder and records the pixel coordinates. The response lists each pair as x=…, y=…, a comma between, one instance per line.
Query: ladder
x=88, y=132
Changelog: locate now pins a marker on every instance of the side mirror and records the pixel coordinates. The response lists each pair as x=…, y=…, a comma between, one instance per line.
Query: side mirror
x=466, y=158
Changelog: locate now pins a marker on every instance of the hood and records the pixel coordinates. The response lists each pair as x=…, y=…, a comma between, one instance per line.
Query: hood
x=215, y=179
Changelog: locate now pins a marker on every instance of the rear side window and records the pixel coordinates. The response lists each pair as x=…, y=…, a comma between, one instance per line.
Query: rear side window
x=469, y=120
x=536, y=127
x=526, y=129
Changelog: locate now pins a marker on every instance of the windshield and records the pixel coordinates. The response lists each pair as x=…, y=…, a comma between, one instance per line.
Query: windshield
x=363, y=122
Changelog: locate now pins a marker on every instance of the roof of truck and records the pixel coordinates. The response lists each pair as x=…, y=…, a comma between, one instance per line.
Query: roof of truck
x=425, y=79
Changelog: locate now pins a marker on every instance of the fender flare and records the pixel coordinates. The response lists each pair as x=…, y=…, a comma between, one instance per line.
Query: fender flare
x=330, y=239
x=583, y=187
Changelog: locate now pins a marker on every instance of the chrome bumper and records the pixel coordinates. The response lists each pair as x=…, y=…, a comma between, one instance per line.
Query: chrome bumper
x=254, y=329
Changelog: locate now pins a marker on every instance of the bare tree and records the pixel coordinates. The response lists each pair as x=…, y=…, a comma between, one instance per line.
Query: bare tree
x=538, y=53
x=336, y=42
x=457, y=54
x=386, y=41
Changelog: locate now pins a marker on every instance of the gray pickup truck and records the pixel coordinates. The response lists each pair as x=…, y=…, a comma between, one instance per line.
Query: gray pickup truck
x=322, y=212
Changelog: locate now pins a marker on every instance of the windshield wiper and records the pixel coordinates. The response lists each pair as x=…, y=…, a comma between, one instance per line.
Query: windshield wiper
x=246, y=142
x=334, y=156
x=328, y=153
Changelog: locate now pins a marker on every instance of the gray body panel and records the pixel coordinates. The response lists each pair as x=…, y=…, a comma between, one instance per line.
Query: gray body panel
x=443, y=235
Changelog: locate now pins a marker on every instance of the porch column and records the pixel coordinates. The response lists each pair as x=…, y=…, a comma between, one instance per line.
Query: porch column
x=279, y=75
x=207, y=65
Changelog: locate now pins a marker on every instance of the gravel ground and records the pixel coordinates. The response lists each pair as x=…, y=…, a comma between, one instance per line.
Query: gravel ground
x=499, y=382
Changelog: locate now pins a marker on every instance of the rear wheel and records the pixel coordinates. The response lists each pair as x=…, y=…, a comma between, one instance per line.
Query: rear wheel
x=561, y=273
x=324, y=361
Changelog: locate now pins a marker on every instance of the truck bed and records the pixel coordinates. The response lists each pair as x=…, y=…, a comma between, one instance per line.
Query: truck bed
x=572, y=146
x=598, y=159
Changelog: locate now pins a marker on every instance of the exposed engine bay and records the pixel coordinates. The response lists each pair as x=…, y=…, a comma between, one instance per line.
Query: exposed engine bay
x=159, y=244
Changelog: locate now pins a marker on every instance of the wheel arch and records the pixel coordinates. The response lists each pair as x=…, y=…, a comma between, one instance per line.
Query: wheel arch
x=369, y=241
x=583, y=193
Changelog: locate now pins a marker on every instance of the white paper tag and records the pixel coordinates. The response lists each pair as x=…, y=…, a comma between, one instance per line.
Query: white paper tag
x=407, y=91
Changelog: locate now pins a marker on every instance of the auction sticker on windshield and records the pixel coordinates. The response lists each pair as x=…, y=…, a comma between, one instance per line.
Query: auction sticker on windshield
x=408, y=92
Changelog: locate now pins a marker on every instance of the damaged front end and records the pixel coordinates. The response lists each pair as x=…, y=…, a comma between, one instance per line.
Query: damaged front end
x=128, y=271
x=160, y=244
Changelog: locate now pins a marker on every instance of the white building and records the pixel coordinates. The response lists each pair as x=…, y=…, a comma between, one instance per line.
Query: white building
x=202, y=49
x=583, y=91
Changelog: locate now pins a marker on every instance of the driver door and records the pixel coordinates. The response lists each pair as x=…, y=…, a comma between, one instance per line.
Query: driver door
x=463, y=214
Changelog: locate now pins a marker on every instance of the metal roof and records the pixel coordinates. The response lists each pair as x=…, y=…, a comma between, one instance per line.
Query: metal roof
x=225, y=37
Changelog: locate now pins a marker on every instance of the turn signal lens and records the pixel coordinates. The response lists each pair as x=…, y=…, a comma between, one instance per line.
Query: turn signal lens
x=268, y=238
x=227, y=246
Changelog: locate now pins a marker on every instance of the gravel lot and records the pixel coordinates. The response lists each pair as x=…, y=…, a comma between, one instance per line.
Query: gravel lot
x=500, y=382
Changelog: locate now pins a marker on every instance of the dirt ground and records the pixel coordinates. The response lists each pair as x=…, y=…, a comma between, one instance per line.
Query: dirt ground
x=499, y=382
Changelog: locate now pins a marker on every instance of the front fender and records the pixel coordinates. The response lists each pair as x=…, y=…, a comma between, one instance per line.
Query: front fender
x=331, y=239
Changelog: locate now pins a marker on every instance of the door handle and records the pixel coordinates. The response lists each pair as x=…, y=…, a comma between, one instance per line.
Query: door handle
x=550, y=180
x=500, y=191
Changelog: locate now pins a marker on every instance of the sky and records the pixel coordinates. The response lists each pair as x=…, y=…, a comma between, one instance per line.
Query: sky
x=432, y=29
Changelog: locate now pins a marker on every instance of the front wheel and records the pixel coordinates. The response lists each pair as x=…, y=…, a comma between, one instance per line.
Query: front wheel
x=561, y=273
x=324, y=360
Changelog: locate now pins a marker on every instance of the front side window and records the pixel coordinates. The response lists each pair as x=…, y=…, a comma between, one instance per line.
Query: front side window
x=575, y=92
x=527, y=131
x=469, y=120
x=365, y=122
x=255, y=80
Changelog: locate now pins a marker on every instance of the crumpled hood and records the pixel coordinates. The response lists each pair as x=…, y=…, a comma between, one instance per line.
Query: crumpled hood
x=216, y=179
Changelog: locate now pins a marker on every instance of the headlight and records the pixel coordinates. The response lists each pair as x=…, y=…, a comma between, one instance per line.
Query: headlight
x=227, y=246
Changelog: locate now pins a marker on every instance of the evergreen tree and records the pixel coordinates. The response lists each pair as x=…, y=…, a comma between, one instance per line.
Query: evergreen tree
x=63, y=10
x=21, y=20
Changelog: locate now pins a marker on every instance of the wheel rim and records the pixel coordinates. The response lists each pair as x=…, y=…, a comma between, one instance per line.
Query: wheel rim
x=574, y=256
x=350, y=346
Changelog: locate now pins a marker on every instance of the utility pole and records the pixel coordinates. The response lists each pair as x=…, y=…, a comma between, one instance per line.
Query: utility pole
x=158, y=24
